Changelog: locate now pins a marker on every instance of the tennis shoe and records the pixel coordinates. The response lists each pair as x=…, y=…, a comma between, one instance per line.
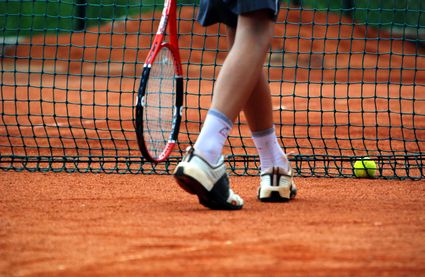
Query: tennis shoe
x=210, y=183
x=277, y=185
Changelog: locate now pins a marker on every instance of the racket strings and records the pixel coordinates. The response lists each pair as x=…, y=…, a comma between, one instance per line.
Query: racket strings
x=159, y=102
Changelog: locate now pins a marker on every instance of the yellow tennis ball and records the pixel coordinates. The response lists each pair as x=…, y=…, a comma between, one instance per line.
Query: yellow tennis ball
x=365, y=168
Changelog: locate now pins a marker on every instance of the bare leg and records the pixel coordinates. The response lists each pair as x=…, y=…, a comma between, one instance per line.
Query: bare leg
x=274, y=162
x=258, y=109
x=239, y=76
x=259, y=114
x=242, y=85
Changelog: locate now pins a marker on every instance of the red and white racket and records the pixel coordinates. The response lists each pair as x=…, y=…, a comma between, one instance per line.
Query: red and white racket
x=160, y=96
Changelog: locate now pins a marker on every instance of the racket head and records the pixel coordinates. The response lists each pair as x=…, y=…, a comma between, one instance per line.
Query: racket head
x=159, y=104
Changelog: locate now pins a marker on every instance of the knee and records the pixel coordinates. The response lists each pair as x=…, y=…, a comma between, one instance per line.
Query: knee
x=259, y=25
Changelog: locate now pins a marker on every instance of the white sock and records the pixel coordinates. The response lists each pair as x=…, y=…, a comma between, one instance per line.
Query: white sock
x=213, y=135
x=269, y=150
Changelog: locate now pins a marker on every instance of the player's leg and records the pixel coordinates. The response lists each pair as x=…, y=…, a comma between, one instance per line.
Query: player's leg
x=199, y=173
x=202, y=171
x=274, y=162
x=244, y=63
x=259, y=114
x=258, y=109
x=236, y=81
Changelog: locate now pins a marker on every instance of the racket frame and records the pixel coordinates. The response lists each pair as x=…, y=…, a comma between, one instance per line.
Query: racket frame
x=168, y=19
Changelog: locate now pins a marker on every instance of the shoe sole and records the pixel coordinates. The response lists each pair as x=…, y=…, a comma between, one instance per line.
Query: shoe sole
x=276, y=197
x=214, y=199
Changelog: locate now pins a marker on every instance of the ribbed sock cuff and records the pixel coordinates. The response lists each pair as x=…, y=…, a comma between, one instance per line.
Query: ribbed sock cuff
x=222, y=116
x=263, y=133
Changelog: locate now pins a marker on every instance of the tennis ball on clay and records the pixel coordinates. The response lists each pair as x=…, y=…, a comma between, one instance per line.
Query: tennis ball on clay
x=365, y=168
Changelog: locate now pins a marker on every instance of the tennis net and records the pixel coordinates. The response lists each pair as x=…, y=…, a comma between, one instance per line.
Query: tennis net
x=347, y=81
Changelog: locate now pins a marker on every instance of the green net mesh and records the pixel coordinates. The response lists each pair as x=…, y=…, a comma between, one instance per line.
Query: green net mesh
x=347, y=81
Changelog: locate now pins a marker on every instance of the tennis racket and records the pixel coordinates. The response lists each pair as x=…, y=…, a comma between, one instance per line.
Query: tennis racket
x=160, y=95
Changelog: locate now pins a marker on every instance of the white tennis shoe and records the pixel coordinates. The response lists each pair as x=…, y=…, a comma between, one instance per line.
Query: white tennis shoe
x=209, y=183
x=277, y=185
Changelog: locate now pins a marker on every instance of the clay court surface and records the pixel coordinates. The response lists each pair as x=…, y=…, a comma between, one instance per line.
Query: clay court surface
x=132, y=225
x=75, y=98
